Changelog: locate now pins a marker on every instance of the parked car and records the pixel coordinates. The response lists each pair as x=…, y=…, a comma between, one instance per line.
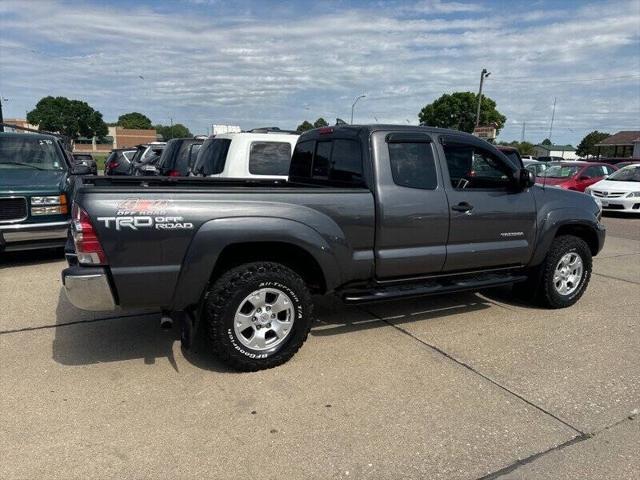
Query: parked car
x=145, y=158
x=369, y=213
x=246, y=155
x=88, y=160
x=535, y=166
x=35, y=191
x=119, y=161
x=551, y=159
x=574, y=175
x=625, y=164
x=528, y=157
x=178, y=157
x=620, y=191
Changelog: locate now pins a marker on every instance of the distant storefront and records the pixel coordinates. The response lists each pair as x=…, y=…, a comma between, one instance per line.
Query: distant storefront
x=623, y=144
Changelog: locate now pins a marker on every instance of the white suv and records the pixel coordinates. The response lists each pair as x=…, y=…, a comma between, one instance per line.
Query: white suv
x=247, y=155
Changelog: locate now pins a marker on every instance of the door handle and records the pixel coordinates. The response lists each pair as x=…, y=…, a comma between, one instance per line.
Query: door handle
x=462, y=207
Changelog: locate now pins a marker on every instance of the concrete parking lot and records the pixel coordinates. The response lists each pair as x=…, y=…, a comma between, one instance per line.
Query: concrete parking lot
x=466, y=386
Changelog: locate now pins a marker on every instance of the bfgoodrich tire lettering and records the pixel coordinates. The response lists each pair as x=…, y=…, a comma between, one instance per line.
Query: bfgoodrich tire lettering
x=233, y=290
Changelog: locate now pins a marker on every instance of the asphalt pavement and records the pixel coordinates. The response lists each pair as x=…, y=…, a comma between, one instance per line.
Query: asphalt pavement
x=464, y=386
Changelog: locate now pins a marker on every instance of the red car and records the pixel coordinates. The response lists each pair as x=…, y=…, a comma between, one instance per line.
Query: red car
x=574, y=175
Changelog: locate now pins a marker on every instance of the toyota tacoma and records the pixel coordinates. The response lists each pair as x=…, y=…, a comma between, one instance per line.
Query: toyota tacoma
x=369, y=213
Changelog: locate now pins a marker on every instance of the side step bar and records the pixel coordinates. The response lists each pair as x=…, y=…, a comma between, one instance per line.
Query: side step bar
x=432, y=287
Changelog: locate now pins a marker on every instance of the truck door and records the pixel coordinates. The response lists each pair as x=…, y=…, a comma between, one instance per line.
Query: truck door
x=493, y=224
x=412, y=214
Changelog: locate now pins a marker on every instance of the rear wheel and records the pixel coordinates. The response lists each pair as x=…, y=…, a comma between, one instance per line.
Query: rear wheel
x=258, y=315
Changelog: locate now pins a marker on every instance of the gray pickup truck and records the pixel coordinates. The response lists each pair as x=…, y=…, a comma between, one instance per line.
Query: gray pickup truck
x=369, y=213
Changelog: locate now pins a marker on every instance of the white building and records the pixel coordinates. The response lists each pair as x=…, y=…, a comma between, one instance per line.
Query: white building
x=561, y=151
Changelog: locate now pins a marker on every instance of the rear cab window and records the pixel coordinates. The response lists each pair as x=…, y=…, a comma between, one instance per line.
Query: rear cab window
x=331, y=161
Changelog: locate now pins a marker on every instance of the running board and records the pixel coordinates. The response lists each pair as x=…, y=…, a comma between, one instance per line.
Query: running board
x=432, y=287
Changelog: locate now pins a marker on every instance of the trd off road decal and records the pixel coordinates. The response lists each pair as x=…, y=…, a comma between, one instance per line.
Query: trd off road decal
x=137, y=213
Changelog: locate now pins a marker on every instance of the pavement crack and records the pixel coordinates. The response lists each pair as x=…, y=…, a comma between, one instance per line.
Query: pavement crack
x=580, y=438
x=519, y=463
x=66, y=324
x=472, y=369
x=615, y=278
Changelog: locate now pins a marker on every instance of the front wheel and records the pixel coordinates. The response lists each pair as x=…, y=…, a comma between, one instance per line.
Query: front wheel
x=565, y=272
x=258, y=315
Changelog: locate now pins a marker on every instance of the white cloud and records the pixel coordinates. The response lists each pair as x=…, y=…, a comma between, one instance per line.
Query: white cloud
x=207, y=66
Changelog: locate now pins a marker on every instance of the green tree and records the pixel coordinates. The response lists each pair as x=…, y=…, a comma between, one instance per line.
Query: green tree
x=168, y=132
x=321, y=122
x=72, y=118
x=587, y=144
x=546, y=141
x=458, y=111
x=134, y=120
x=304, y=126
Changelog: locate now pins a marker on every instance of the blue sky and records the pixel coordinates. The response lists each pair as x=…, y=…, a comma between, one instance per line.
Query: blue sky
x=278, y=63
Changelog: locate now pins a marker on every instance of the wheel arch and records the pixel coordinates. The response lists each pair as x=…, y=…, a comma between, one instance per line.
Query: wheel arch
x=223, y=243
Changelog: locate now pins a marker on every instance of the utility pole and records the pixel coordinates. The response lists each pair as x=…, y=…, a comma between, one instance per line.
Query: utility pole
x=553, y=115
x=1, y=117
x=524, y=126
x=353, y=105
x=484, y=74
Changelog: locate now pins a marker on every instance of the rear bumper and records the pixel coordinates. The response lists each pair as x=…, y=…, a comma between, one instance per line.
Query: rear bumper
x=29, y=236
x=88, y=288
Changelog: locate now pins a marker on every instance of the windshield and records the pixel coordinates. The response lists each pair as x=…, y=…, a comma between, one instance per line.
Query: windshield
x=30, y=152
x=212, y=156
x=560, y=171
x=626, y=174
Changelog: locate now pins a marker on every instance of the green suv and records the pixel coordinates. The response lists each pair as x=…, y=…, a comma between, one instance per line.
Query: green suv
x=36, y=185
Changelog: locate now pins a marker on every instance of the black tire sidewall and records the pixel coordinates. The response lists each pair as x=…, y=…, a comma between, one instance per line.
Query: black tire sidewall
x=222, y=314
x=564, y=246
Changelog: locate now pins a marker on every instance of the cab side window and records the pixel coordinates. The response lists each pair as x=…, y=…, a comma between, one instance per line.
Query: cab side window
x=594, y=171
x=413, y=165
x=472, y=167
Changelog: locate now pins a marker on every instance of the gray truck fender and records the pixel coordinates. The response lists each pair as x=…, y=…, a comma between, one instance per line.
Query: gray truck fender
x=552, y=222
x=213, y=236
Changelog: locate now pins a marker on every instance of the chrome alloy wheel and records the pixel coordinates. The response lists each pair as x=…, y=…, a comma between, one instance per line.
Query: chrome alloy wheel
x=568, y=274
x=264, y=319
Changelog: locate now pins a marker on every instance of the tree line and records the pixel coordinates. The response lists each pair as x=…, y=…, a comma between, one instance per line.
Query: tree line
x=75, y=119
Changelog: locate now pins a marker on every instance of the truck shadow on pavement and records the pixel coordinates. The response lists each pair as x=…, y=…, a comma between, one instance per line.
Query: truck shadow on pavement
x=86, y=338
x=31, y=257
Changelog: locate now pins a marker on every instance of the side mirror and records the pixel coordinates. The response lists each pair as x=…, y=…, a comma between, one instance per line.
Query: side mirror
x=583, y=177
x=80, y=169
x=527, y=178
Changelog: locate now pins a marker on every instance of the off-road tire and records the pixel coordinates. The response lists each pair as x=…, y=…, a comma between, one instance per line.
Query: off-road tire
x=223, y=299
x=547, y=295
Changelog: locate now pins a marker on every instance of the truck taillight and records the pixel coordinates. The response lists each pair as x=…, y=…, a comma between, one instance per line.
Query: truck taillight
x=88, y=248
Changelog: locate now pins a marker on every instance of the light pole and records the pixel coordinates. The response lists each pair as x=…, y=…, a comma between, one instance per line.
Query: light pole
x=353, y=105
x=484, y=74
x=1, y=117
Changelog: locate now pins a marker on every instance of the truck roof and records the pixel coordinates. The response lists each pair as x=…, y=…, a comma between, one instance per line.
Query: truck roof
x=354, y=130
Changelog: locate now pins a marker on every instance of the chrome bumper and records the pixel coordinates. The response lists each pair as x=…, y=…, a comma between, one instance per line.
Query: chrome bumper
x=88, y=290
x=25, y=232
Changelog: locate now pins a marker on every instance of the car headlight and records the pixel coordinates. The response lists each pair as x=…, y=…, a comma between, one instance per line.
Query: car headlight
x=49, y=205
x=633, y=195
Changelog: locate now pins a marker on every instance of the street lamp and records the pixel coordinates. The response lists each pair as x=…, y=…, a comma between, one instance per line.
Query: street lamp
x=353, y=105
x=484, y=74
